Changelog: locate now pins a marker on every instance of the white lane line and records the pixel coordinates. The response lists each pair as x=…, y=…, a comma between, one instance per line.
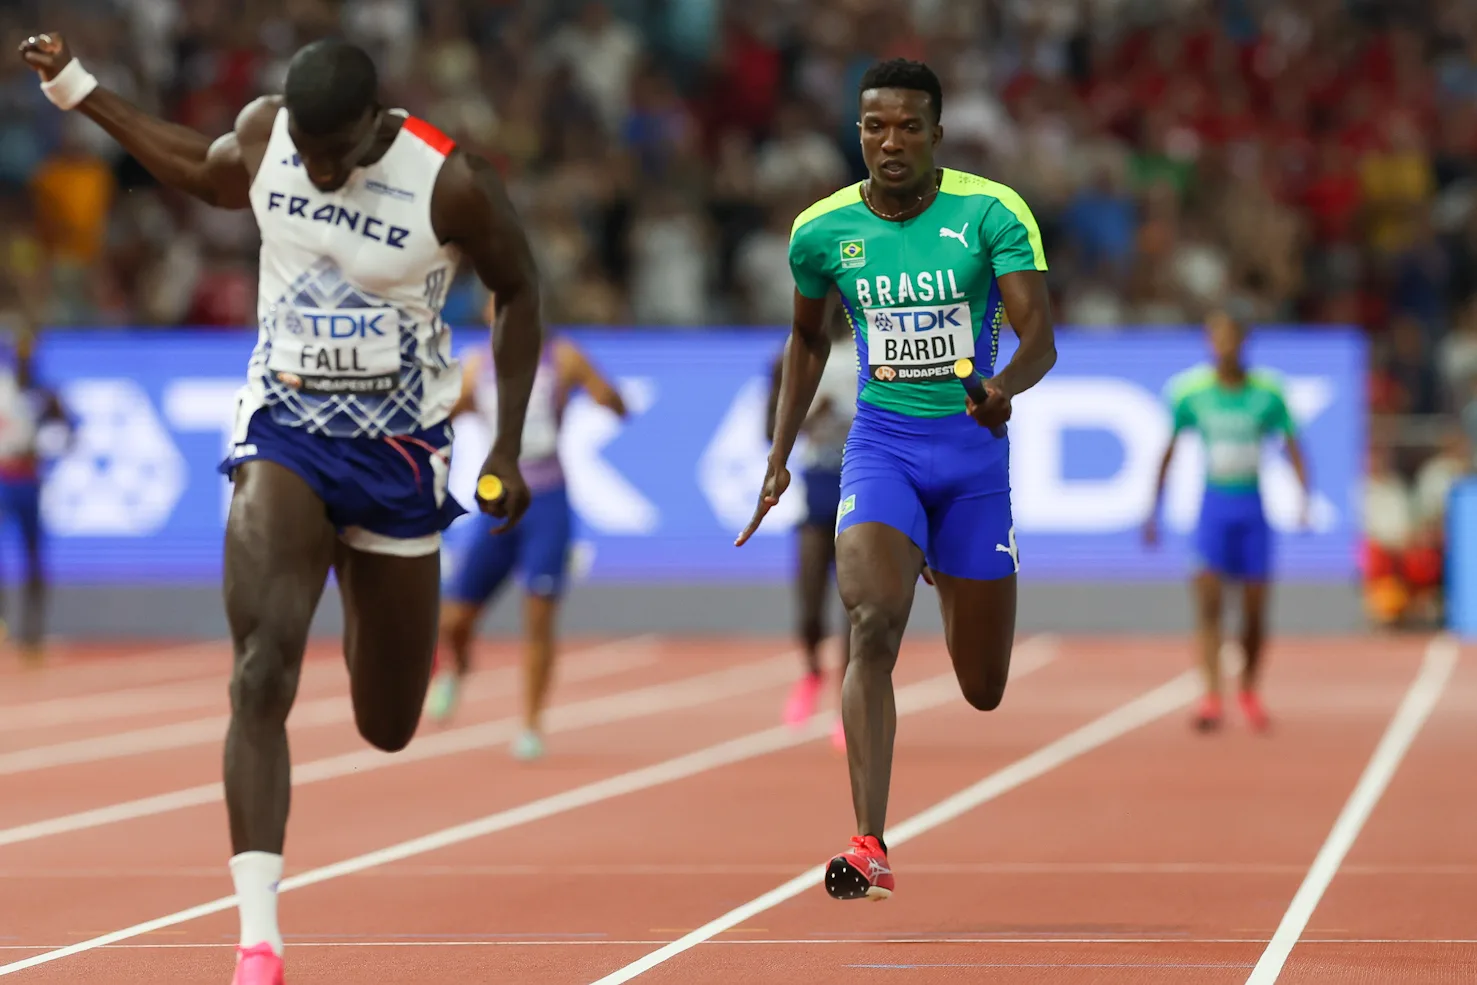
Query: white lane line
x=635, y=870
x=636, y=703
x=914, y=698
x=1420, y=700
x=593, y=940
x=1141, y=711
x=599, y=662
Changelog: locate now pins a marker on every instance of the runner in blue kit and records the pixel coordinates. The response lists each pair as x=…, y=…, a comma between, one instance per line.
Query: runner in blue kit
x=539, y=548
x=1235, y=409
x=926, y=264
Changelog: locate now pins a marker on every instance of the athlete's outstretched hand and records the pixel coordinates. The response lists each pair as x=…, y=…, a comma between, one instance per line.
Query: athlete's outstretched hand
x=776, y=481
x=48, y=54
x=510, y=501
x=994, y=412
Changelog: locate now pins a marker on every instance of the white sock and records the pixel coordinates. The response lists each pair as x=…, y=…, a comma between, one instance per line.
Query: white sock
x=256, y=875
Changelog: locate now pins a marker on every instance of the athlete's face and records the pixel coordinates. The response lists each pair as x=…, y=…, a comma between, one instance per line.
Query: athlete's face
x=1225, y=339
x=899, y=133
x=330, y=158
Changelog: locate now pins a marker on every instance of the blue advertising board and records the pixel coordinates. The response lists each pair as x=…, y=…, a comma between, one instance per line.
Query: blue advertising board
x=661, y=496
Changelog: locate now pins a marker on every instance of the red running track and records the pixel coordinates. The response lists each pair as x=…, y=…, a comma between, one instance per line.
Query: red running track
x=1132, y=850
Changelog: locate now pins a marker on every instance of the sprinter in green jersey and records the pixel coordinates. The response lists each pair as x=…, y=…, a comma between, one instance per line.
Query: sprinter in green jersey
x=927, y=264
x=1235, y=410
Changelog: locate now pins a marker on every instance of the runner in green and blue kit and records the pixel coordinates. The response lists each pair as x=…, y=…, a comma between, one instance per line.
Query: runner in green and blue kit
x=1235, y=410
x=927, y=264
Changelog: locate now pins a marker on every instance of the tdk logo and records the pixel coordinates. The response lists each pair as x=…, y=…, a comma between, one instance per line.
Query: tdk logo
x=295, y=161
x=335, y=215
x=342, y=323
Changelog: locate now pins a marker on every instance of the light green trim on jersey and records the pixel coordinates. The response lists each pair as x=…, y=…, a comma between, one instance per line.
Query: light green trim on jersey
x=1268, y=380
x=964, y=183
x=850, y=195
x=1191, y=381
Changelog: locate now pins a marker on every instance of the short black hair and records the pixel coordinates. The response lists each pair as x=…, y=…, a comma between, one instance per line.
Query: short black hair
x=901, y=73
x=330, y=85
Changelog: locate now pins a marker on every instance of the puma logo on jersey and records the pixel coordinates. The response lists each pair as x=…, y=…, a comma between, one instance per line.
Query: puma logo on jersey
x=959, y=235
x=1012, y=550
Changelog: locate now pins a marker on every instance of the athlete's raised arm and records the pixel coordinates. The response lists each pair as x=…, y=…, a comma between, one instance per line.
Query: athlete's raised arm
x=211, y=169
x=1028, y=309
x=806, y=352
x=471, y=209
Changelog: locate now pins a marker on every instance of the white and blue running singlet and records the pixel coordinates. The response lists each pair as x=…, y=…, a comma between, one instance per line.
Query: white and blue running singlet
x=350, y=340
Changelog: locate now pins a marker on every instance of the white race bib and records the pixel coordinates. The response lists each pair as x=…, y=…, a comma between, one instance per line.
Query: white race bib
x=1234, y=459
x=912, y=344
x=337, y=350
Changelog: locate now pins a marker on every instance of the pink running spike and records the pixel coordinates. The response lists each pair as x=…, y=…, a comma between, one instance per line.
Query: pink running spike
x=803, y=700
x=257, y=965
x=1255, y=714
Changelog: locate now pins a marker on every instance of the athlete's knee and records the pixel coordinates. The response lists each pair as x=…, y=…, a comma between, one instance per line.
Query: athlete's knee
x=982, y=671
x=986, y=693
x=876, y=631
x=457, y=622
x=263, y=681
x=387, y=733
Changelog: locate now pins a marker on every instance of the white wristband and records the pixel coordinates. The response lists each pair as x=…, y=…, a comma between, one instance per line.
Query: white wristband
x=70, y=86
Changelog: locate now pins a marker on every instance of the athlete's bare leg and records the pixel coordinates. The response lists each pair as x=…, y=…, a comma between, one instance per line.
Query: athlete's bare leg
x=33, y=597
x=539, y=615
x=817, y=550
x=458, y=624
x=1253, y=632
x=279, y=547
x=1207, y=588
x=1208, y=595
x=1253, y=637
x=979, y=629
x=877, y=567
x=845, y=642
x=390, y=616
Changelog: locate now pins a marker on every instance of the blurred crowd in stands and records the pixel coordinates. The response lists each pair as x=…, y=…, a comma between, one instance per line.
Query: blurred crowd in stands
x=1309, y=161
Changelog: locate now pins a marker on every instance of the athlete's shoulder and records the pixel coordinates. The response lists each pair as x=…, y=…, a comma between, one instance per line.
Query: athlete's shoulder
x=429, y=136
x=986, y=192
x=830, y=206
x=1267, y=380
x=257, y=118
x=1005, y=220
x=1187, y=383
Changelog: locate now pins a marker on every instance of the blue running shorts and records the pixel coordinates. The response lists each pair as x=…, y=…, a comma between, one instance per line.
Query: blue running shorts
x=538, y=547
x=20, y=502
x=1233, y=538
x=943, y=481
x=822, y=497
x=383, y=495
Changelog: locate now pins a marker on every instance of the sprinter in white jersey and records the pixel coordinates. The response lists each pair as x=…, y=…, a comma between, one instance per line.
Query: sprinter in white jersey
x=538, y=549
x=340, y=453
x=825, y=430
